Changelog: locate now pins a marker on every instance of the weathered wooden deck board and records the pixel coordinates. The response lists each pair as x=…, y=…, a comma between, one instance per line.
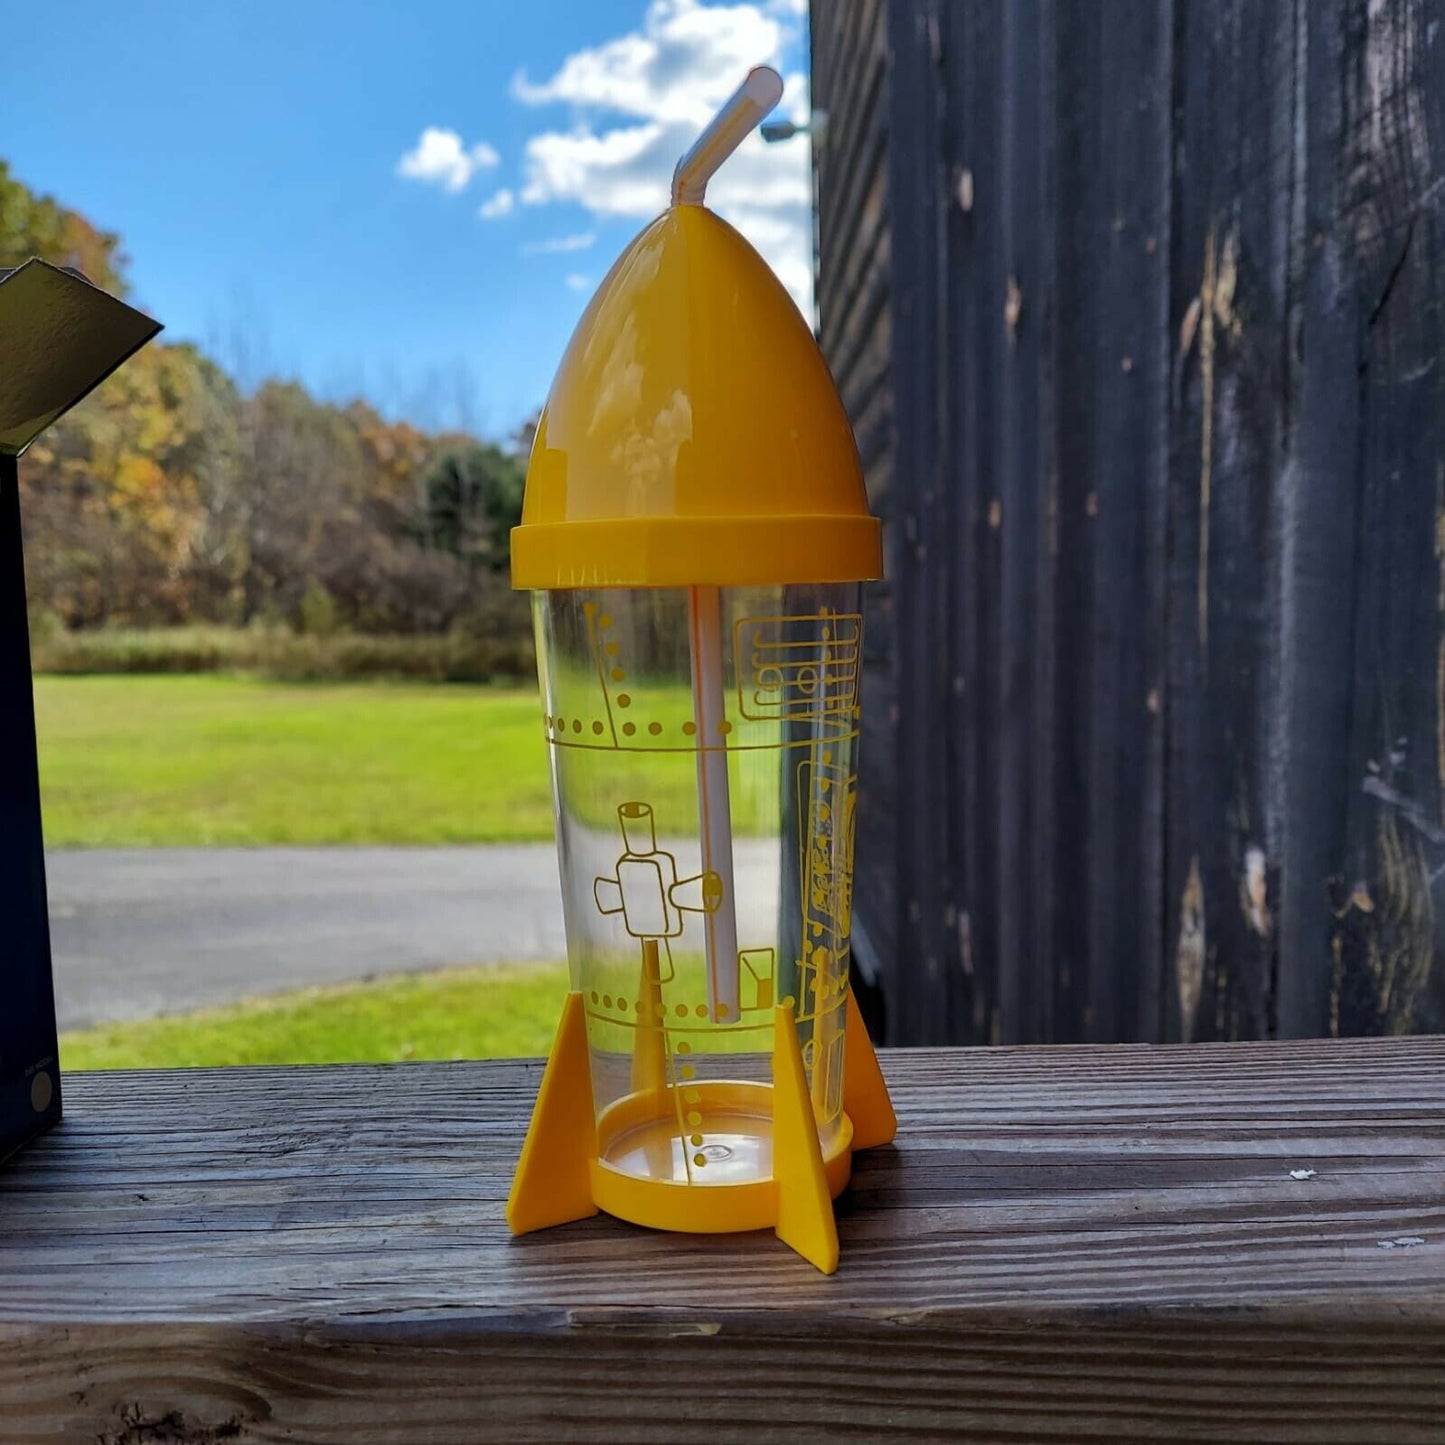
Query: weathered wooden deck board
x=1066, y=1243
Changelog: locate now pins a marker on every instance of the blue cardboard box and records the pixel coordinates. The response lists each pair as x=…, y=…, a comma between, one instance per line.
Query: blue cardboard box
x=59, y=338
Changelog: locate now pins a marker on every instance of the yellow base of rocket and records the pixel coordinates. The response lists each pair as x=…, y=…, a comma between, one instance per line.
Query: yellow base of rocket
x=759, y=1163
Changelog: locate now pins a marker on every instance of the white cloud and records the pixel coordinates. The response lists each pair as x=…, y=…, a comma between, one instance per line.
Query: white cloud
x=559, y=245
x=501, y=204
x=440, y=157
x=687, y=59
x=578, y=282
x=665, y=81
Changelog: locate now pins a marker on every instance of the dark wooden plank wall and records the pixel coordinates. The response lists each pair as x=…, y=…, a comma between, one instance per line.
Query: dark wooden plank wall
x=849, y=57
x=1139, y=312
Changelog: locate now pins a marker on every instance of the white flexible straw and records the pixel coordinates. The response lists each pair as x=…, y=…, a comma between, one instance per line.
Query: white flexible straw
x=749, y=103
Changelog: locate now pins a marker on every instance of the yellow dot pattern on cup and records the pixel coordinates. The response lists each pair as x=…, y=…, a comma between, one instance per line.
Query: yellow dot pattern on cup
x=557, y=725
x=625, y=1006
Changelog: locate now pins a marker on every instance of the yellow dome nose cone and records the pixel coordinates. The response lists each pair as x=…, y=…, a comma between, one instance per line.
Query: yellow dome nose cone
x=693, y=435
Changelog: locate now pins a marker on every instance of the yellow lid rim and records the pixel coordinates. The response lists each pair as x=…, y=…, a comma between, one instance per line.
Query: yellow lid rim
x=696, y=552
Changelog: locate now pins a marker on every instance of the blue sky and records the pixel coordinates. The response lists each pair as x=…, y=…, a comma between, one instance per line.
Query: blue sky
x=301, y=186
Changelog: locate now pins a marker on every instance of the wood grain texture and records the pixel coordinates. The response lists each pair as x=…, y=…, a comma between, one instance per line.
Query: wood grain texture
x=1230, y=280
x=1154, y=733
x=919, y=857
x=1376, y=234
x=1071, y=1243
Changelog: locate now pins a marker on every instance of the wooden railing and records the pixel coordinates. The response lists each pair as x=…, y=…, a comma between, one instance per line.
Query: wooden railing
x=1226, y=1241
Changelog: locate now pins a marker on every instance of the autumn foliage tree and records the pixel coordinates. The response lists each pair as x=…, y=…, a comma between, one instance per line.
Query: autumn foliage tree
x=171, y=495
x=32, y=225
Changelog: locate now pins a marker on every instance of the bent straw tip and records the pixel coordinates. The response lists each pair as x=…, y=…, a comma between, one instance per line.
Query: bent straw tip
x=760, y=91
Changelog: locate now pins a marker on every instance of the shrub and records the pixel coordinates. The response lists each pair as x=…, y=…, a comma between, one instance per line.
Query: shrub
x=466, y=654
x=46, y=624
x=318, y=611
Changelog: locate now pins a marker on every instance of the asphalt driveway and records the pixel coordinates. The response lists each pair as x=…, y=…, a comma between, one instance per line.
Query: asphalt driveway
x=148, y=931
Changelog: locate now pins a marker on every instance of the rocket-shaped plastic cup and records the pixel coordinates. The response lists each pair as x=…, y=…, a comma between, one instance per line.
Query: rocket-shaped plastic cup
x=696, y=536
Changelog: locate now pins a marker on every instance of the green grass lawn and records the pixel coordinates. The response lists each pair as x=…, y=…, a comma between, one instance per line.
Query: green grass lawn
x=463, y=1013
x=212, y=760
x=216, y=759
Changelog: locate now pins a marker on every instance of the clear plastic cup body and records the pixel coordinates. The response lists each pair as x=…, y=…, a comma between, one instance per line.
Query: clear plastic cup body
x=703, y=745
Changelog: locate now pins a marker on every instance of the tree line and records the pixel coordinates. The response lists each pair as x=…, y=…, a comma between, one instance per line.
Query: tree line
x=173, y=495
